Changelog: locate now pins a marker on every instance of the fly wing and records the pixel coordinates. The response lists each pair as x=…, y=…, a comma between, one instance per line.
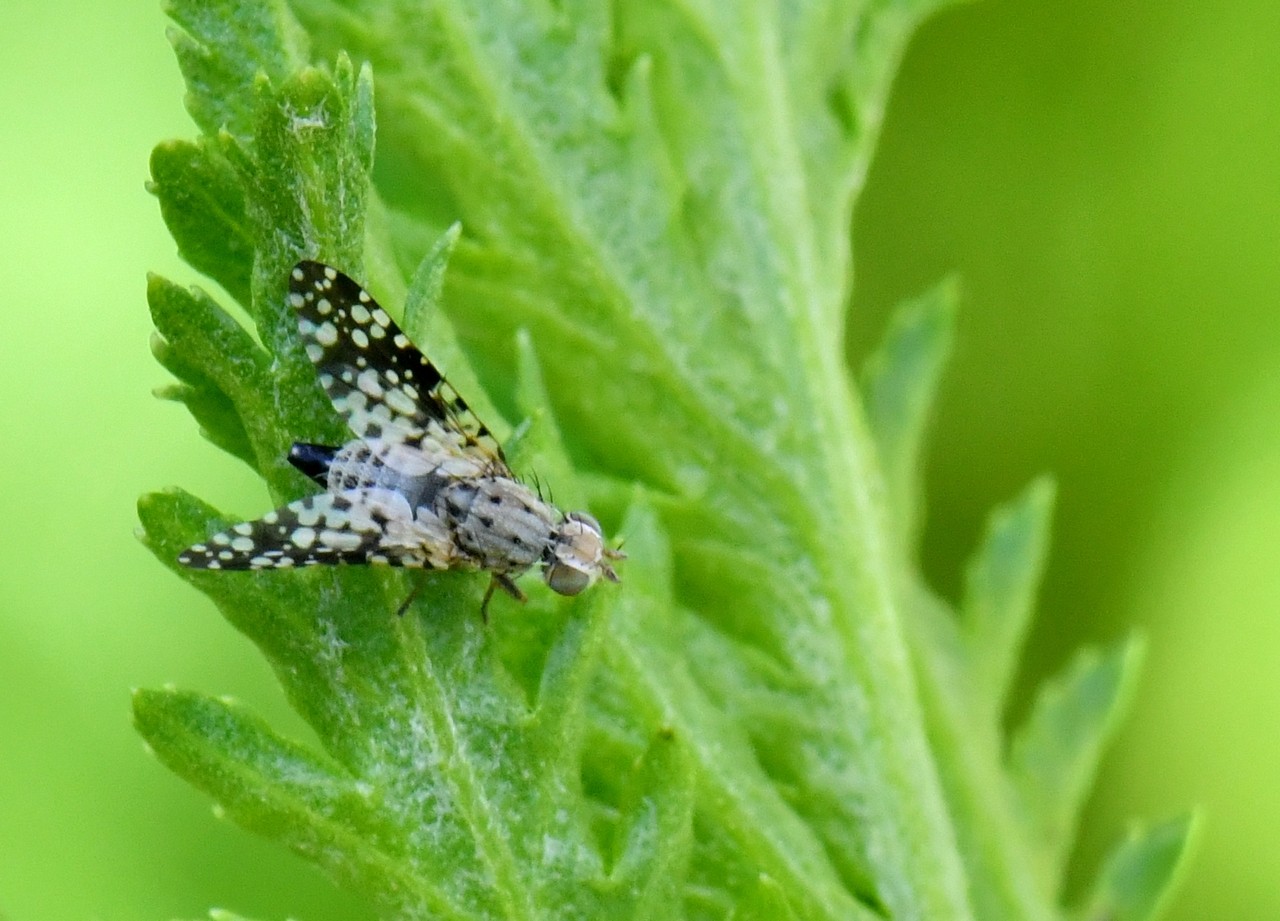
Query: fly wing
x=378, y=380
x=358, y=526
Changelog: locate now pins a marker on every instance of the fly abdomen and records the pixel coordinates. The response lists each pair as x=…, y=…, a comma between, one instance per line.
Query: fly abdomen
x=363, y=465
x=313, y=460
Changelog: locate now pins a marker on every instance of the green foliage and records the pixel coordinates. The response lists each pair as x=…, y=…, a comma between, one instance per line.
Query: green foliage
x=771, y=718
x=1137, y=878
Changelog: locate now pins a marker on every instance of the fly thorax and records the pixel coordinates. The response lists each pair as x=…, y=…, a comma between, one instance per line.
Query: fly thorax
x=498, y=521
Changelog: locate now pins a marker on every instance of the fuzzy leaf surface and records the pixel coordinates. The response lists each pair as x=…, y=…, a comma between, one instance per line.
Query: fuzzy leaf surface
x=622, y=230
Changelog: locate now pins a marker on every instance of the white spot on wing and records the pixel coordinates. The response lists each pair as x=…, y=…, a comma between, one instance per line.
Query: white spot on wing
x=368, y=383
x=340, y=540
x=326, y=334
x=400, y=402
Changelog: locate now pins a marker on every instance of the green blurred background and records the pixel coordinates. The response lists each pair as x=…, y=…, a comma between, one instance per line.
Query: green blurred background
x=1104, y=177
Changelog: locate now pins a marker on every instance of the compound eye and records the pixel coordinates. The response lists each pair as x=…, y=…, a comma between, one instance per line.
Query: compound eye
x=566, y=580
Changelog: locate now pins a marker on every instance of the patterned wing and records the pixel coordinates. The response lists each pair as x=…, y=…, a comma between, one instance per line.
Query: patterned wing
x=376, y=378
x=358, y=526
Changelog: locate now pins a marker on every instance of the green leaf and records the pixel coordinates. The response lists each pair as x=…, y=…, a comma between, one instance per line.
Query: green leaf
x=225, y=371
x=1000, y=588
x=217, y=418
x=272, y=786
x=1140, y=876
x=990, y=830
x=202, y=203
x=655, y=832
x=652, y=223
x=424, y=782
x=637, y=221
x=223, y=46
x=767, y=903
x=313, y=149
x=900, y=381
x=1056, y=752
x=425, y=321
x=538, y=444
x=424, y=318
x=1015, y=821
x=218, y=914
x=745, y=825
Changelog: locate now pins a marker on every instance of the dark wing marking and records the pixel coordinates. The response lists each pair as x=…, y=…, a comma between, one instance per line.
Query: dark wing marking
x=352, y=527
x=376, y=378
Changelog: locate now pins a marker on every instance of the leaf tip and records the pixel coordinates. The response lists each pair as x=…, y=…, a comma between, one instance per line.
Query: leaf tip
x=1140, y=876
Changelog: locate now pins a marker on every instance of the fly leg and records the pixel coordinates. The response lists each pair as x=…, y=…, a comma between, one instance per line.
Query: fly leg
x=507, y=584
x=417, y=587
